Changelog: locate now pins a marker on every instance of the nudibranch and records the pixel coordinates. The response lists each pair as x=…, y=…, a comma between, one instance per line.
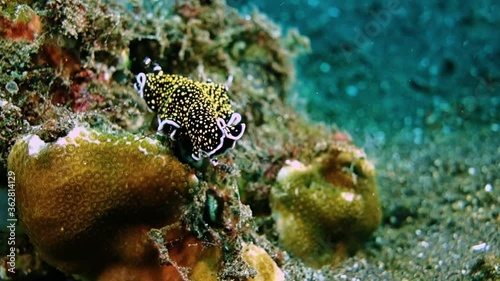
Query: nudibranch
x=197, y=116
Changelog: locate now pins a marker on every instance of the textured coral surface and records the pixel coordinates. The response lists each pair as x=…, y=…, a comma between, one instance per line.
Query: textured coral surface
x=92, y=196
x=325, y=210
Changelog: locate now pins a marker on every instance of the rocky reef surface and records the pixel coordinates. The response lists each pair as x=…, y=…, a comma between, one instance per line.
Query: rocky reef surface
x=100, y=195
x=369, y=151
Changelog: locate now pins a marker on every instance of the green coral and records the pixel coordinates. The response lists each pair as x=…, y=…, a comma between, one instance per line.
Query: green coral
x=92, y=196
x=325, y=210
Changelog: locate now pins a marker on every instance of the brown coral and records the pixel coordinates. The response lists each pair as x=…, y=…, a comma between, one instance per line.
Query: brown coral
x=88, y=200
x=324, y=211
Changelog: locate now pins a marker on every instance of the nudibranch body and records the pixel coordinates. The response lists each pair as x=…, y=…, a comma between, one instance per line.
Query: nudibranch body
x=197, y=116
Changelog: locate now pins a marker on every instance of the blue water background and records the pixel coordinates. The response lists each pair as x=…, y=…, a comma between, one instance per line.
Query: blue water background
x=379, y=68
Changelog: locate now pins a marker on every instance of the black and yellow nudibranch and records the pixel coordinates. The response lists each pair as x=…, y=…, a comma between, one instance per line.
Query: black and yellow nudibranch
x=197, y=116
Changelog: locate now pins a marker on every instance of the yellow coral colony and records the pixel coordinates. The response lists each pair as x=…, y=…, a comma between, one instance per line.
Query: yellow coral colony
x=325, y=210
x=88, y=199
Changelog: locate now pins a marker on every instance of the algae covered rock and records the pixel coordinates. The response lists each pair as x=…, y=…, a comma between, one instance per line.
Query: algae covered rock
x=208, y=265
x=326, y=209
x=88, y=199
x=197, y=261
x=264, y=267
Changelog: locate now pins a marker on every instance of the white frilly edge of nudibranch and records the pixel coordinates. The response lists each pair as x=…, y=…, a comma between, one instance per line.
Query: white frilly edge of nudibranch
x=139, y=85
x=221, y=123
